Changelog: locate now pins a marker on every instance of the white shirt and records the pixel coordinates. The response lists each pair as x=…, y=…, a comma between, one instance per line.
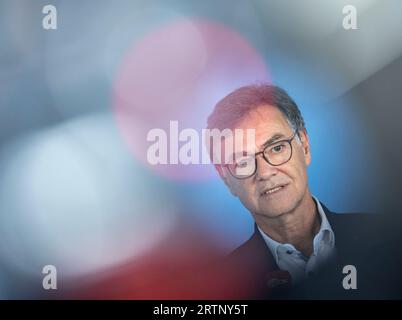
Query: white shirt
x=288, y=258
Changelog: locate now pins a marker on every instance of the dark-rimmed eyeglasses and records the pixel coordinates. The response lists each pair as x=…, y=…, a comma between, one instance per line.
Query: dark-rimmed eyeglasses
x=276, y=154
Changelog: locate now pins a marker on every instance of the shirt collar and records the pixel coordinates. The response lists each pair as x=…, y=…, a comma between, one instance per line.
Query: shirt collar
x=324, y=221
x=325, y=234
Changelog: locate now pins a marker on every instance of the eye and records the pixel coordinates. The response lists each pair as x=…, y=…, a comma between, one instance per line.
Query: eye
x=243, y=162
x=278, y=148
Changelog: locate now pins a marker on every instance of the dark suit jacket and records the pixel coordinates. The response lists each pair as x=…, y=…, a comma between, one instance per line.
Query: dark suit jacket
x=358, y=243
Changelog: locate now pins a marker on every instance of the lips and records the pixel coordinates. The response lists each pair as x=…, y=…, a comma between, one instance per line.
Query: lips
x=273, y=189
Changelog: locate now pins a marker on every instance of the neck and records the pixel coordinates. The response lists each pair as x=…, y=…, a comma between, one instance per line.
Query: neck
x=297, y=227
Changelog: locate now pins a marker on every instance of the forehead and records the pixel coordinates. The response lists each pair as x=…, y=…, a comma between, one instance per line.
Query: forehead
x=266, y=120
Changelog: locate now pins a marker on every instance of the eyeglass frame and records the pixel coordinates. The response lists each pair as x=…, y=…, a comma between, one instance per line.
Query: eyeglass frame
x=263, y=156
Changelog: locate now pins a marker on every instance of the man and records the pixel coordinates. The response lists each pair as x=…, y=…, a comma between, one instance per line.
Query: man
x=299, y=248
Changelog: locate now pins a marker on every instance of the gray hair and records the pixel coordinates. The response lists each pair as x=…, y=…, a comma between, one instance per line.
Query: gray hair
x=231, y=109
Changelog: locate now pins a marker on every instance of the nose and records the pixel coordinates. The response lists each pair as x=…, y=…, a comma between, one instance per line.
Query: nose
x=264, y=170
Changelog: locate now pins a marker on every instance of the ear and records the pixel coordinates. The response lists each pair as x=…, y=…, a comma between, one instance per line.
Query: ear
x=305, y=141
x=223, y=174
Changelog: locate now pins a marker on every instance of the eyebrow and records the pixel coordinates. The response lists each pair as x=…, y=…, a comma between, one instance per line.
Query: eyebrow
x=274, y=138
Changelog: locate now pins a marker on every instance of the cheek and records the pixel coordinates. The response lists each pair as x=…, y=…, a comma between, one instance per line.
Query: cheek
x=297, y=170
x=245, y=191
x=300, y=174
x=235, y=187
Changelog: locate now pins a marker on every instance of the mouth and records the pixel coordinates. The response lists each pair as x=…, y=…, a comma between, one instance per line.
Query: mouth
x=273, y=190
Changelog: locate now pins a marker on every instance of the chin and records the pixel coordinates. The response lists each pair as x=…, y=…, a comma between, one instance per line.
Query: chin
x=275, y=210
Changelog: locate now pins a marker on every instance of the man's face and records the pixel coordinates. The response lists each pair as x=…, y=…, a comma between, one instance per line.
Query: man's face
x=290, y=177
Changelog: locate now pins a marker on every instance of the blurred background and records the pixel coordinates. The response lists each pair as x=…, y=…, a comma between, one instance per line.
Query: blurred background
x=76, y=103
